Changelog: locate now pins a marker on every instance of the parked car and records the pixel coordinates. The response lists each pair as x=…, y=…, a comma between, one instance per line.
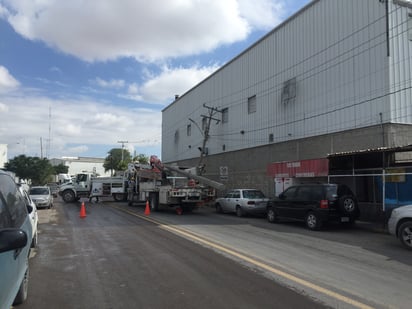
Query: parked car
x=41, y=196
x=242, y=201
x=54, y=188
x=15, y=235
x=315, y=204
x=400, y=225
x=33, y=215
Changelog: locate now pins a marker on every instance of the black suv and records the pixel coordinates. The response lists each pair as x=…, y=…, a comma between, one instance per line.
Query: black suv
x=315, y=204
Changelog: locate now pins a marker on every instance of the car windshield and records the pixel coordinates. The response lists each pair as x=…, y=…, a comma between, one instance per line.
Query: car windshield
x=253, y=194
x=39, y=191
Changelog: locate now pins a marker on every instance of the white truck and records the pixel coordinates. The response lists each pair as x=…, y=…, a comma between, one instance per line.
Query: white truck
x=62, y=178
x=87, y=185
x=166, y=186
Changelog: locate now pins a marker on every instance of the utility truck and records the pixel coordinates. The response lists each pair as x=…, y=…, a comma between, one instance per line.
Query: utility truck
x=167, y=186
x=87, y=185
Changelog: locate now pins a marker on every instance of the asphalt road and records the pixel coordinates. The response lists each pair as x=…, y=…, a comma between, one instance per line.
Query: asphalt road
x=357, y=267
x=114, y=259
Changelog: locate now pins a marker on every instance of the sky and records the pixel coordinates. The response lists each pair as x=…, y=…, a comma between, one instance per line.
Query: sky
x=81, y=77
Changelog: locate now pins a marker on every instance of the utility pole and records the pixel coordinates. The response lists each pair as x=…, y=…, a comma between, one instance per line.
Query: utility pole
x=122, y=142
x=212, y=111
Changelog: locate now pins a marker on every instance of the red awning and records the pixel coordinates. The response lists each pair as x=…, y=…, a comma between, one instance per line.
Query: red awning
x=303, y=168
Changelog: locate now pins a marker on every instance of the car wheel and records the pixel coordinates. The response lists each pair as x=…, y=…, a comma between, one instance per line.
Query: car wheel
x=405, y=234
x=239, y=211
x=34, y=241
x=218, y=208
x=271, y=215
x=312, y=221
x=347, y=205
x=22, y=293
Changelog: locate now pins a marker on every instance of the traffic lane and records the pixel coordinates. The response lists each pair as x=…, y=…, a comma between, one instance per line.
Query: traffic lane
x=113, y=260
x=322, y=259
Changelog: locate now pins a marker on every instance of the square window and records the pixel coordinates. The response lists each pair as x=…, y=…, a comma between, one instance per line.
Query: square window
x=251, y=105
x=225, y=115
x=204, y=124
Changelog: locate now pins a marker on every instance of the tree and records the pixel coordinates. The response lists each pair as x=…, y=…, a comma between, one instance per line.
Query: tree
x=114, y=161
x=141, y=158
x=61, y=169
x=36, y=169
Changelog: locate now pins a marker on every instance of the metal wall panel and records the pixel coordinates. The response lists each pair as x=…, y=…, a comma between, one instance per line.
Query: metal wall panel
x=400, y=64
x=337, y=53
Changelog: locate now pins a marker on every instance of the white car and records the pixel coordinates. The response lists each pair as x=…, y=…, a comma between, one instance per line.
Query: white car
x=33, y=215
x=400, y=225
x=42, y=196
x=242, y=201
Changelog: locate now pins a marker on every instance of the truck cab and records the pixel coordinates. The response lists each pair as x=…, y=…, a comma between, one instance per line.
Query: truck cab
x=73, y=191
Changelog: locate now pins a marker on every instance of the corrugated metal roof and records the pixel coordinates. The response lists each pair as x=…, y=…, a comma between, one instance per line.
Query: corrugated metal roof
x=371, y=150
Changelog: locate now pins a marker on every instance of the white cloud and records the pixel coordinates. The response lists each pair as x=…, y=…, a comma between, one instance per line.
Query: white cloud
x=262, y=14
x=79, y=123
x=163, y=87
x=147, y=30
x=7, y=81
x=113, y=83
x=3, y=108
x=77, y=151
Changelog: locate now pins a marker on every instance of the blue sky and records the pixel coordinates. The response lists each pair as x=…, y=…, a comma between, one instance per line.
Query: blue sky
x=77, y=77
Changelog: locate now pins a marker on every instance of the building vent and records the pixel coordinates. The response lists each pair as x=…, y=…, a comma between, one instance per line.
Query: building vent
x=288, y=90
x=271, y=138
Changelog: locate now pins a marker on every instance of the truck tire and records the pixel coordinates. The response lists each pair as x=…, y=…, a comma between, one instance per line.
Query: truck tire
x=154, y=201
x=69, y=196
x=119, y=197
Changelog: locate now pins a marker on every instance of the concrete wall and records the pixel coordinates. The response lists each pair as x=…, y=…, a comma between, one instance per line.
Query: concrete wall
x=247, y=168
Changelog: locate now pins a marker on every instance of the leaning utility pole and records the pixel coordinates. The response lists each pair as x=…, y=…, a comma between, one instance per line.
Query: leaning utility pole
x=206, y=122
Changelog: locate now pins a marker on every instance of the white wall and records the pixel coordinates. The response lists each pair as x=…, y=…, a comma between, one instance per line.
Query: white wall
x=336, y=50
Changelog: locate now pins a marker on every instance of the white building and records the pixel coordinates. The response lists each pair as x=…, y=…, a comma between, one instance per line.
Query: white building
x=334, y=77
x=82, y=164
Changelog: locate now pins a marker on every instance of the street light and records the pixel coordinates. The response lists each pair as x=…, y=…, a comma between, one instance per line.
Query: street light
x=122, y=142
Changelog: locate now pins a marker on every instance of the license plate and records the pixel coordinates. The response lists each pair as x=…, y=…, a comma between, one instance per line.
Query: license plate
x=344, y=219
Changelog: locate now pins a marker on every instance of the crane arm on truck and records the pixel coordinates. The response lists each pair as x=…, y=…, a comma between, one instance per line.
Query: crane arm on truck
x=155, y=162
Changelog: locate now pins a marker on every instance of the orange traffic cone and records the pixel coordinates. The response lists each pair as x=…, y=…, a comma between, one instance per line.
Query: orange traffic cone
x=82, y=211
x=147, y=209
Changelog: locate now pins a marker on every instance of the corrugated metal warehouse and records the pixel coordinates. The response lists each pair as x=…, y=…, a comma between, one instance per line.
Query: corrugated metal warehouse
x=335, y=77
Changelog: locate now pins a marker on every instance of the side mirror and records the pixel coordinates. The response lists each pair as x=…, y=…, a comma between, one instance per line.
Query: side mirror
x=12, y=239
x=29, y=209
x=281, y=196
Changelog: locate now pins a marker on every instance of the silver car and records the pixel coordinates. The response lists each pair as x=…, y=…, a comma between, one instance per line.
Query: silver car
x=41, y=196
x=400, y=225
x=242, y=201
